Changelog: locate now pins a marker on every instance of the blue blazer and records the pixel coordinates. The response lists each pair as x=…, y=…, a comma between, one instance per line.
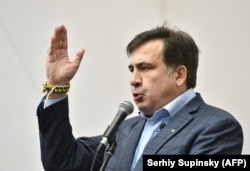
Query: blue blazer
x=197, y=128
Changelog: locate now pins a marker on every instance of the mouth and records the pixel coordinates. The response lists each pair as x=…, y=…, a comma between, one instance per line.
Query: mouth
x=137, y=97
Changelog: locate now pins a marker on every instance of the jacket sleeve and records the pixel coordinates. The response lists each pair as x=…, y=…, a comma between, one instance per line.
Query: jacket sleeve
x=220, y=134
x=60, y=150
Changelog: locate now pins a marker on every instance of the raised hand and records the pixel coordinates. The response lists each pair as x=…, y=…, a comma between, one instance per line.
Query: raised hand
x=59, y=68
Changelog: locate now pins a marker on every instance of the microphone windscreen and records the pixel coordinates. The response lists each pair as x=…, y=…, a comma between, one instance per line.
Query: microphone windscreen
x=127, y=106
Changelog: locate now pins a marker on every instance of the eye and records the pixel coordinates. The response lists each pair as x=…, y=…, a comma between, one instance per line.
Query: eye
x=145, y=68
x=131, y=69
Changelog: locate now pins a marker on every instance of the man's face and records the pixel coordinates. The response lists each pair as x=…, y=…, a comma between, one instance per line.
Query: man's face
x=151, y=85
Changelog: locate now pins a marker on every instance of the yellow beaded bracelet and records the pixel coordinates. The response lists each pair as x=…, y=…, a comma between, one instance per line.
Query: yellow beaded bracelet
x=56, y=88
x=51, y=89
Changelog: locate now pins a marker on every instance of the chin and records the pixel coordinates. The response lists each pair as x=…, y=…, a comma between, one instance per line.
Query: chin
x=143, y=108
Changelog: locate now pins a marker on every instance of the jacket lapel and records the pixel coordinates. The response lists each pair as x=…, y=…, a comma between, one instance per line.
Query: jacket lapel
x=180, y=120
x=166, y=133
x=131, y=141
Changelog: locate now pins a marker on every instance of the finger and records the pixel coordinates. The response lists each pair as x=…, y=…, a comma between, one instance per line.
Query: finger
x=60, y=36
x=56, y=38
x=54, y=41
x=65, y=39
x=79, y=56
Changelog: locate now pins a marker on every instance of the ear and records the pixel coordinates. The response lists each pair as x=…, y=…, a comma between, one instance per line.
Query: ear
x=181, y=75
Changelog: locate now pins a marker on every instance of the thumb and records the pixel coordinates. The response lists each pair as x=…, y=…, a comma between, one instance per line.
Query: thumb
x=79, y=56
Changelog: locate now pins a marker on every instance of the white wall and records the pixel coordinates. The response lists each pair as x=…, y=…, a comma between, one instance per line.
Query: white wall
x=103, y=28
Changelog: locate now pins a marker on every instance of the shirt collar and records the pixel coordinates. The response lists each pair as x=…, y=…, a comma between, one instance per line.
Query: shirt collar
x=173, y=107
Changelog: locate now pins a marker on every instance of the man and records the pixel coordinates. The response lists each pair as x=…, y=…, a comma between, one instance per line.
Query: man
x=173, y=119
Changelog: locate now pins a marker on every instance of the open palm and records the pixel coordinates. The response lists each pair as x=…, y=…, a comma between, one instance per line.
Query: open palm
x=59, y=68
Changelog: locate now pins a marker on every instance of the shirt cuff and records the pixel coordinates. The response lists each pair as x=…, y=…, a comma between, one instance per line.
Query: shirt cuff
x=50, y=102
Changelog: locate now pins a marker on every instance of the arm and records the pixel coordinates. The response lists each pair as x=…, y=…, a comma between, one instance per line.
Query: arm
x=59, y=149
x=222, y=136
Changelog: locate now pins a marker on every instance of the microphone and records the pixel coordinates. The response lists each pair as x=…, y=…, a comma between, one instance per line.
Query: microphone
x=125, y=109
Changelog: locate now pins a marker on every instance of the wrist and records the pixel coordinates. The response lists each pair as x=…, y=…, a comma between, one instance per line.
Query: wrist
x=58, y=88
x=55, y=91
x=55, y=95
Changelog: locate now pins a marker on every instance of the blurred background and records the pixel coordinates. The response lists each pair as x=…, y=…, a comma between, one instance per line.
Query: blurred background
x=103, y=28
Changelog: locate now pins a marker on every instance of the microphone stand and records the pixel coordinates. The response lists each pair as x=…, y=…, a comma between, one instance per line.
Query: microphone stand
x=109, y=153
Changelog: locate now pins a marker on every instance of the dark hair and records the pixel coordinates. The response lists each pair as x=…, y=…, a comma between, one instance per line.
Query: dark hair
x=179, y=49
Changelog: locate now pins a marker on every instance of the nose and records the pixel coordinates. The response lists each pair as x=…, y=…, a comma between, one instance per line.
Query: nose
x=135, y=79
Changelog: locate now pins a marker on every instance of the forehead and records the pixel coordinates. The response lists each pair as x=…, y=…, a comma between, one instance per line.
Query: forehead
x=149, y=51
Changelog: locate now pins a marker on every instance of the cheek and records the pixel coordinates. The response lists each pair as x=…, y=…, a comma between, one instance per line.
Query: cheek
x=163, y=80
x=163, y=86
x=160, y=84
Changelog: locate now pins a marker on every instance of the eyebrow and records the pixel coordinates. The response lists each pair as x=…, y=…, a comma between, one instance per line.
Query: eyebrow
x=139, y=64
